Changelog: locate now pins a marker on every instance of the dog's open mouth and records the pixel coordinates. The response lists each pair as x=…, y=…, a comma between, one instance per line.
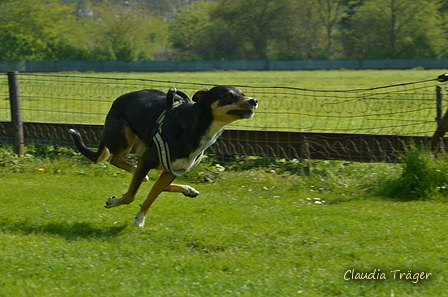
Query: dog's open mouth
x=246, y=114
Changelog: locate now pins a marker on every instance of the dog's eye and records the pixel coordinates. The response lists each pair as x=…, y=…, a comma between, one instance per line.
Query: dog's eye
x=229, y=98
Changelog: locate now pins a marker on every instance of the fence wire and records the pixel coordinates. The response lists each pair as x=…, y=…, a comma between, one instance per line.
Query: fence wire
x=5, y=113
x=404, y=109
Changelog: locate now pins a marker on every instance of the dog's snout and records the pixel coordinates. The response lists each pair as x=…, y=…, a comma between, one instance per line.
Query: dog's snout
x=253, y=102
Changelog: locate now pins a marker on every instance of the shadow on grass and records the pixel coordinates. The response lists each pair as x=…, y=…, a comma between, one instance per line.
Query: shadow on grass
x=69, y=231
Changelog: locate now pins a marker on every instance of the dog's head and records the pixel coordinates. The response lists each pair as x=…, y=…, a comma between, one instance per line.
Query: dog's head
x=227, y=103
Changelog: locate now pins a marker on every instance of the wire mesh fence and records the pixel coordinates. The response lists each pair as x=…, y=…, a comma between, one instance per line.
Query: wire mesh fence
x=5, y=113
x=404, y=109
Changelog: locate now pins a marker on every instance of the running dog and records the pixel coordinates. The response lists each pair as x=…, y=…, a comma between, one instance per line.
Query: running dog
x=168, y=132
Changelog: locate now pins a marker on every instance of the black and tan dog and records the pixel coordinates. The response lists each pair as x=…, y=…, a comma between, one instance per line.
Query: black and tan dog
x=167, y=132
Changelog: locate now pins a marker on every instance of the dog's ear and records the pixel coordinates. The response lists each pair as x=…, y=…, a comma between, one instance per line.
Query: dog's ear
x=198, y=96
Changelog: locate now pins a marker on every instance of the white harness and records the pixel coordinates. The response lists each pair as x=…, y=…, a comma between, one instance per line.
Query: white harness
x=163, y=149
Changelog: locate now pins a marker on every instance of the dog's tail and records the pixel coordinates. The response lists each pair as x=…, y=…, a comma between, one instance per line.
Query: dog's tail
x=95, y=157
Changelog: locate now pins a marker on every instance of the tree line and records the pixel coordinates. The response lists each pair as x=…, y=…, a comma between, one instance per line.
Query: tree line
x=133, y=30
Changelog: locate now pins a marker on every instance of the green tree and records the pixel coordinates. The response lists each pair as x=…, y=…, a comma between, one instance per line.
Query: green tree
x=252, y=23
x=50, y=30
x=330, y=14
x=395, y=29
x=300, y=34
x=188, y=31
x=274, y=29
x=196, y=34
x=127, y=34
x=443, y=10
x=29, y=29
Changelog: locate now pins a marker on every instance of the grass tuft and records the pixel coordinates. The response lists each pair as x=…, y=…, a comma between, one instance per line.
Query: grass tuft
x=424, y=177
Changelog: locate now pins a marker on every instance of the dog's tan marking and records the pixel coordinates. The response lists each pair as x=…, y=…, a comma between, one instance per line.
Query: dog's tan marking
x=118, y=161
x=139, y=176
x=117, y=158
x=220, y=113
x=184, y=189
x=161, y=184
x=133, y=144
x=103, y=156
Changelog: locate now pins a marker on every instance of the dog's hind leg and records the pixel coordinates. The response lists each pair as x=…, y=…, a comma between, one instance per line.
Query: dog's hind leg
x=119, y=161
x=161, y=184
x=143, y=167
x=184, y=189
x=120, y=139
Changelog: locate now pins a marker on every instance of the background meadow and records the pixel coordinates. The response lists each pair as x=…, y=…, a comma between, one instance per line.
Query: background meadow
x=308, y=101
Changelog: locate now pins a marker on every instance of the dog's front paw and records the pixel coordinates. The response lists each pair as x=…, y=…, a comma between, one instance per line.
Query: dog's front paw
x=112, y=202
x=139, y=219
x=190, y=191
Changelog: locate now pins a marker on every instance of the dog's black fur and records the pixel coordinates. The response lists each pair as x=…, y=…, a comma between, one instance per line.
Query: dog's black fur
x=188, y=128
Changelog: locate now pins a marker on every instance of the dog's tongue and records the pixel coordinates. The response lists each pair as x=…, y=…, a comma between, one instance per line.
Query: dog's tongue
x=245, y=114
x=248, y=114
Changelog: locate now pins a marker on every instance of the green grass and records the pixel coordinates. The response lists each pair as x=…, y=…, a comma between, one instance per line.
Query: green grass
x=313, y=80
x=249, y=233
x=424, y=176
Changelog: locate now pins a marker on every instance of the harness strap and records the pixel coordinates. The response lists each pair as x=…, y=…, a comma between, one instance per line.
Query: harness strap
x=163, y=149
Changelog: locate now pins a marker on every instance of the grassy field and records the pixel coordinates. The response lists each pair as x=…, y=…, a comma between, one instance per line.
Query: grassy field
x=255, y=232
x=86, y=98
x=313, y=80
x=249, y=233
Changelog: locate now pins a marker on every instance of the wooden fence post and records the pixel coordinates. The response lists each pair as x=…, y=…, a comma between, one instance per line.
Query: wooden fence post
x=16, y=117
x=439, y=103
x=442, y=127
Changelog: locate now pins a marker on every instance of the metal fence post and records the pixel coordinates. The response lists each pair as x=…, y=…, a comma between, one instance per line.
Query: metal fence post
x=16, y=117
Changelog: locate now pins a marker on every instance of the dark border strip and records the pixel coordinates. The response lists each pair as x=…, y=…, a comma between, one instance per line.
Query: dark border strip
x=277, y=144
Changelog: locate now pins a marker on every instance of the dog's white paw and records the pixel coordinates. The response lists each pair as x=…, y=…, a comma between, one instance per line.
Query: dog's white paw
x=189, y=191
x=139, y=219
x=112, y=202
